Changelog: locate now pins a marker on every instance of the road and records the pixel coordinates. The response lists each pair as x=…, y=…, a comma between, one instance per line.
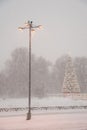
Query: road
x=61, y=121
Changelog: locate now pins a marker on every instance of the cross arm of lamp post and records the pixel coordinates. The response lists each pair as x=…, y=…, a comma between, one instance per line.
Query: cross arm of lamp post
x=29, y=25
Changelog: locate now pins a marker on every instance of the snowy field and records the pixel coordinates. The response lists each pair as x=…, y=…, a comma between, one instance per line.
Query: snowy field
x=19, y=106
x=41, y=102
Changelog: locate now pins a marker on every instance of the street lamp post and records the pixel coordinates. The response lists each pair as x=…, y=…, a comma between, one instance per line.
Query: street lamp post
x=31, y=28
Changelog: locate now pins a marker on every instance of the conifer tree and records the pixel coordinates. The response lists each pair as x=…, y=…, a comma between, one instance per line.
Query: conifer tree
x=70, y=84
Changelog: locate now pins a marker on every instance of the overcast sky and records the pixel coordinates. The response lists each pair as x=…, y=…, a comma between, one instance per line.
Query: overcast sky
x=64, y=27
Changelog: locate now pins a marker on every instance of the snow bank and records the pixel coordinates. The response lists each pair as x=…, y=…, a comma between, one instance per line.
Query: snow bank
x=43, y=102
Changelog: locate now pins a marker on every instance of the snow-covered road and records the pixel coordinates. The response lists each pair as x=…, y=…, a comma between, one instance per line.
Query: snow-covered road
x=67, y=121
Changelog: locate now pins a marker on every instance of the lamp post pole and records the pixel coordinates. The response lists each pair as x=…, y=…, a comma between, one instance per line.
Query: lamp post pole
x=29, y=100
x=30, y=28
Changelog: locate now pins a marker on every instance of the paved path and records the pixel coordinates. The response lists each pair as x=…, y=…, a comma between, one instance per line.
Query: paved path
x=73, y=121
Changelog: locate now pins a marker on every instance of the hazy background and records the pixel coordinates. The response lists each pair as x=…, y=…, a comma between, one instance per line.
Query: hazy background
x=64, y=27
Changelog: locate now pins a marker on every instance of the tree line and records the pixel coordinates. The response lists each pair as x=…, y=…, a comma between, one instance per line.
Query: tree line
x=46, y=78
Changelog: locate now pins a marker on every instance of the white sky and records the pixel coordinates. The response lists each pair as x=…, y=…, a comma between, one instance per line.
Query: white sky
x=64, y=27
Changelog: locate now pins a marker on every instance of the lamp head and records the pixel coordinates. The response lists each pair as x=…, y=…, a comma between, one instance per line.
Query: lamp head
x=20, y=28
x=40, y=26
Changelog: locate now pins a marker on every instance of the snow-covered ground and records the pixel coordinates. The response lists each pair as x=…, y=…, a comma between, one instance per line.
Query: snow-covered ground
x=19, y=106
x=71, y=119
x=41, y=102
x=75, y=121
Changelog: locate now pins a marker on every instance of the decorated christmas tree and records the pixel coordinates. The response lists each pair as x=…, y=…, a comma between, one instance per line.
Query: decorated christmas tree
x=70, y=84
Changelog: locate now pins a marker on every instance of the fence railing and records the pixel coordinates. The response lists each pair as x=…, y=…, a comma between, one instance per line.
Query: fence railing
x=42, y=108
